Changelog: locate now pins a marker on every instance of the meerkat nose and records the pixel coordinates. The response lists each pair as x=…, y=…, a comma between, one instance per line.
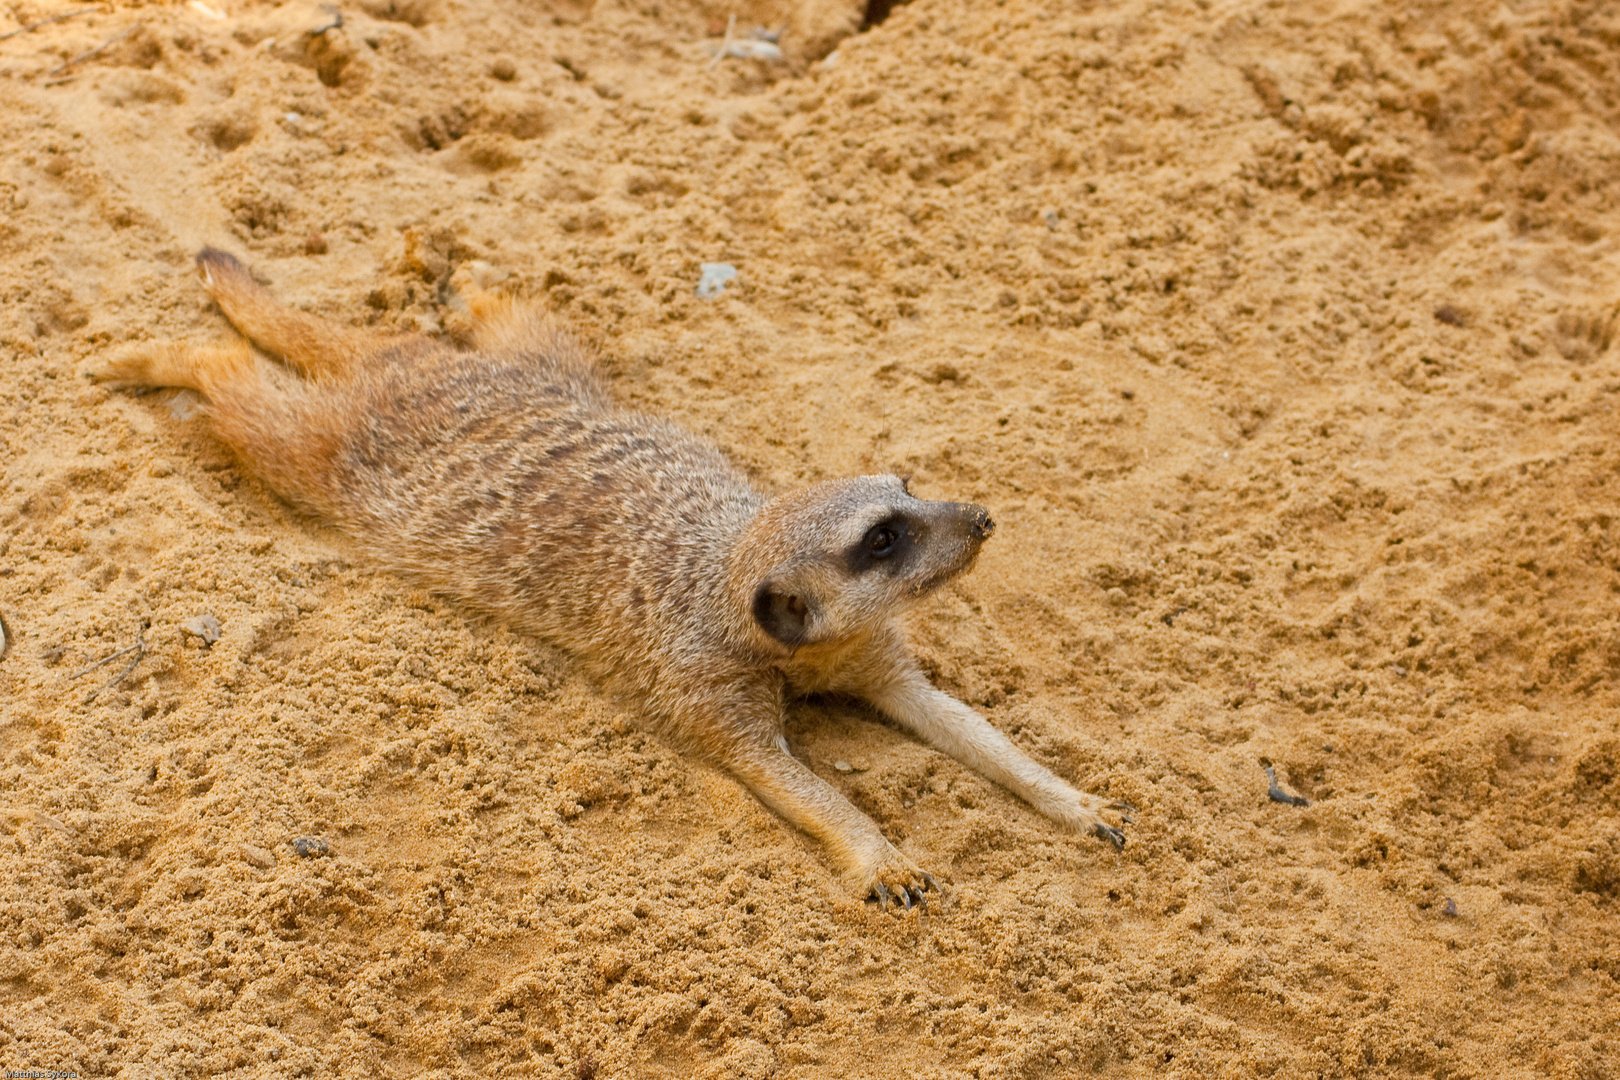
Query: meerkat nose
x=983, y=525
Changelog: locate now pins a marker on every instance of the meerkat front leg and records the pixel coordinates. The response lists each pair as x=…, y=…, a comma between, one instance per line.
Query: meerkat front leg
x=742, y=734
x=869, y=863
x=892, y=682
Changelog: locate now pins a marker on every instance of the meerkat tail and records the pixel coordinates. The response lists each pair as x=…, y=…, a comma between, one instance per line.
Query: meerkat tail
x=309, y=343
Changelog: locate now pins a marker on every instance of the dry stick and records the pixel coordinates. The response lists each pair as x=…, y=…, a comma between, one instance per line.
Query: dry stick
x=64, y=17
x=97, y=51
x=731, y=24
x=1277, y=794
x=139, y=649
x=104, y=660
x=5, y=636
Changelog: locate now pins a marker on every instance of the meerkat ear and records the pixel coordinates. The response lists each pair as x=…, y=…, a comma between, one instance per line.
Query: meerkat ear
x=787, y=612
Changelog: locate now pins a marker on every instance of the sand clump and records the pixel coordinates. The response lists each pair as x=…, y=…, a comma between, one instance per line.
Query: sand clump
x=1280, y=340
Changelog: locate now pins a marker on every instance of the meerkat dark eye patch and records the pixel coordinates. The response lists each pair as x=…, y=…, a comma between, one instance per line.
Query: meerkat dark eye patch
x=885, y=543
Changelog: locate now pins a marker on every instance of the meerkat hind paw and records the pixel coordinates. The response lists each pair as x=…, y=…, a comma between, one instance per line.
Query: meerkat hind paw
x=129, y=370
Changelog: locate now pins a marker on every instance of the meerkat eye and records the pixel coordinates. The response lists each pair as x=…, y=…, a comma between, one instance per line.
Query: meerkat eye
x=880, y=540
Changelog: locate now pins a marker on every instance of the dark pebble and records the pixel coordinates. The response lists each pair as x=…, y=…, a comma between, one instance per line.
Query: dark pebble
x=1449, y=315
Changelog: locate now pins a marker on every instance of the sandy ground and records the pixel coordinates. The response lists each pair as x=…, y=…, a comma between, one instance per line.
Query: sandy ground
x=1280, y=338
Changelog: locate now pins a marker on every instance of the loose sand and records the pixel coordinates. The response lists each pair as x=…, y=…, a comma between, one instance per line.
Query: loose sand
x=1280, y=338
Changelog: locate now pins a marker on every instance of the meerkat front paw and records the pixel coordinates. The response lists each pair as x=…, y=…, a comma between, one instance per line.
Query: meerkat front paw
x=1083, y=814
x=895, y=877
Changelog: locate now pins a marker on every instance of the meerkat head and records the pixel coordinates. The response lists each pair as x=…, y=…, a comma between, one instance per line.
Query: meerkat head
x=839, y=558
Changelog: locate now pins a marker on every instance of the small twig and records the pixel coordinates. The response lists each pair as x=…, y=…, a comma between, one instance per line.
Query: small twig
x=64, y=17
x=1277, y=794
x=5, y=636
x=91, y=54
x=139, y=649
x=336, y=23
x=720, y=54
x=104, y=660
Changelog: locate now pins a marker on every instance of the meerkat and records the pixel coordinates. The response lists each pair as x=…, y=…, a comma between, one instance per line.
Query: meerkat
x=504, y=478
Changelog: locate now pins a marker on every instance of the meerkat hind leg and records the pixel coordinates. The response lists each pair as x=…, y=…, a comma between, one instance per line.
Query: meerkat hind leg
x=314, y=346
x=501, y=322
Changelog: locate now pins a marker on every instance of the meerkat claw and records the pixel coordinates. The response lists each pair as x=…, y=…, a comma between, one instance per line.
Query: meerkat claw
x=1109, y=833
x=908, y=896
x=905, y=897
x=1124, y=809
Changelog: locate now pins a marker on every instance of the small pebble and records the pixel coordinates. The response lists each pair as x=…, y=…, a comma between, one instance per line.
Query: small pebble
x=310, y=846
x=1449, y=315
x=204, y=626
x=843, y=766
x=315, y=243
x=257, y=856
x=503, y=68
x=748, y=49
x=713, y=281
x=1450, y=908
